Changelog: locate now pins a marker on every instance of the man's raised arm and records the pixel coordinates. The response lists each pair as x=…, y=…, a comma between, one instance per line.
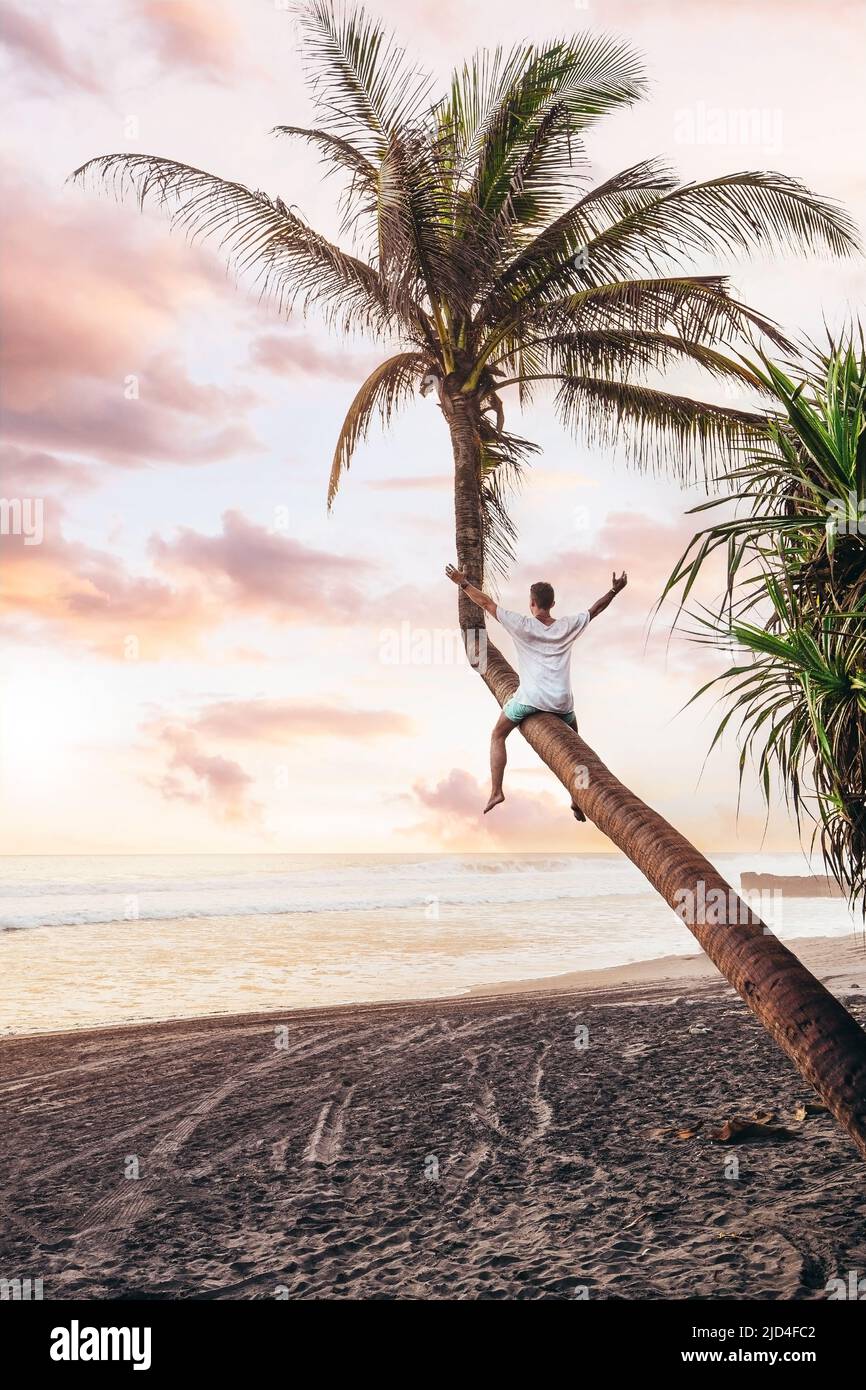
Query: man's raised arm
x=602, y=603
x=483, y=600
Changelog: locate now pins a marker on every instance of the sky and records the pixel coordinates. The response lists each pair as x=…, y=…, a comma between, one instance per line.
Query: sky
x=197, y=657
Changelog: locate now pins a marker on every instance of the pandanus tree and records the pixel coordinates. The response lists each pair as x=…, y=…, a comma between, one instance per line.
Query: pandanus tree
x=793, y=610
x=483, y=258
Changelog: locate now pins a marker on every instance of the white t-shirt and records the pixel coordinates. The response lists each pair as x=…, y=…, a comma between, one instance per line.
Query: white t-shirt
x=544, y=658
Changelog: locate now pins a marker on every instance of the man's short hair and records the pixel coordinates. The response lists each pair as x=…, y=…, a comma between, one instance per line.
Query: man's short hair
x=543, y=594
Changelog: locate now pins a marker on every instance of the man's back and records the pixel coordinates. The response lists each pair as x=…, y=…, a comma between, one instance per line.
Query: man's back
x=544, y=657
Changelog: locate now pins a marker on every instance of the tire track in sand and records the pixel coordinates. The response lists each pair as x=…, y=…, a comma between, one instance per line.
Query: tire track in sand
x=326, y=1139
x=122, y=1208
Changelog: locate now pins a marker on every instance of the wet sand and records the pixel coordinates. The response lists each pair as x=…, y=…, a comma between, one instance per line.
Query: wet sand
x=474, y=1148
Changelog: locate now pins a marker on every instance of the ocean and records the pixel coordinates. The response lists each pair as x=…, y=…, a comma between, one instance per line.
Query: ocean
x=91, y=940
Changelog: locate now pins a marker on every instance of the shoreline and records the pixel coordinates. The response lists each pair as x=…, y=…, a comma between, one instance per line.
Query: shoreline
x=831, y=958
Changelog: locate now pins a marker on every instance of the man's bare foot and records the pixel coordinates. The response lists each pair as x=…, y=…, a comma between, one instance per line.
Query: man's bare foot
x=495, y=800
x=576, y=811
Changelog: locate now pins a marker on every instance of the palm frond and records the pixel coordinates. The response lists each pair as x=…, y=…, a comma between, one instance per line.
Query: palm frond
x=361, y=84
x=477, y=90
x=655, y=428
x=796, y=493
x=417, y=254
x=334, y=151
x=735, y=213
x=698, y=309
x=291, y=263
x=388, y=387
x=799, y=695
x=359, y=196
x=579, y=79
x=503, y=457
x=560, y=247
x=511, y=138
x=616, y=354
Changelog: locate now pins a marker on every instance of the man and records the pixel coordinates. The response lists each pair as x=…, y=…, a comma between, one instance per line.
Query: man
x=544, y=646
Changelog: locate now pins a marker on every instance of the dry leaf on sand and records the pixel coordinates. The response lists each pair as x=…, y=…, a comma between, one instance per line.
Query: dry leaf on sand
x=809, y=1107
x=739, y=1131
x=676, y=1132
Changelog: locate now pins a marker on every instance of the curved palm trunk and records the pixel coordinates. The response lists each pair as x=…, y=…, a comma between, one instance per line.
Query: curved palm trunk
x=819, y=1035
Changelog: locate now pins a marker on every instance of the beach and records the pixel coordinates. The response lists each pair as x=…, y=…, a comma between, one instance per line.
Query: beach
x=544, y=1141
x=94, y=940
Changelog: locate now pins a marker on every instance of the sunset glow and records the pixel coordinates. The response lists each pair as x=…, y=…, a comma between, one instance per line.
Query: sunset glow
x=197, y=653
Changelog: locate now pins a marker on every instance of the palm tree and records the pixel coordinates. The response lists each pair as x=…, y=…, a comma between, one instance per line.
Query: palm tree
x=483, y=258
x=794, y=608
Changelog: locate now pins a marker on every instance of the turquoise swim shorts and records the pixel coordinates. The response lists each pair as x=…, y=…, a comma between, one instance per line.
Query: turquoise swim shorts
x=515, y=711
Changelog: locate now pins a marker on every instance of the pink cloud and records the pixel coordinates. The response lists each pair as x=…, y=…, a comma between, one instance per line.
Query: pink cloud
x=204, y=580
x=253, y=568
x=196, y=35
x=28, y=472
x=281, y=721
x=198, y=771
x=45, y=61
x=438, y=482
x=111, y=289
x=293, y=353
x=165, y=381
x=644, y=545
x=525, y=821
x=83, y=349
x=125, y=433
x=196, y=776
x=90, y=597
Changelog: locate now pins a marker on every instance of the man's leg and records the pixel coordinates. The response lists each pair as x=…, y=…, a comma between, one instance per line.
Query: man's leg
x=570, y=720
x=501, y=729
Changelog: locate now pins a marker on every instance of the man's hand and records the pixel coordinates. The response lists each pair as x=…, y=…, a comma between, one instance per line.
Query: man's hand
x=481, y=599
x=616, y=588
